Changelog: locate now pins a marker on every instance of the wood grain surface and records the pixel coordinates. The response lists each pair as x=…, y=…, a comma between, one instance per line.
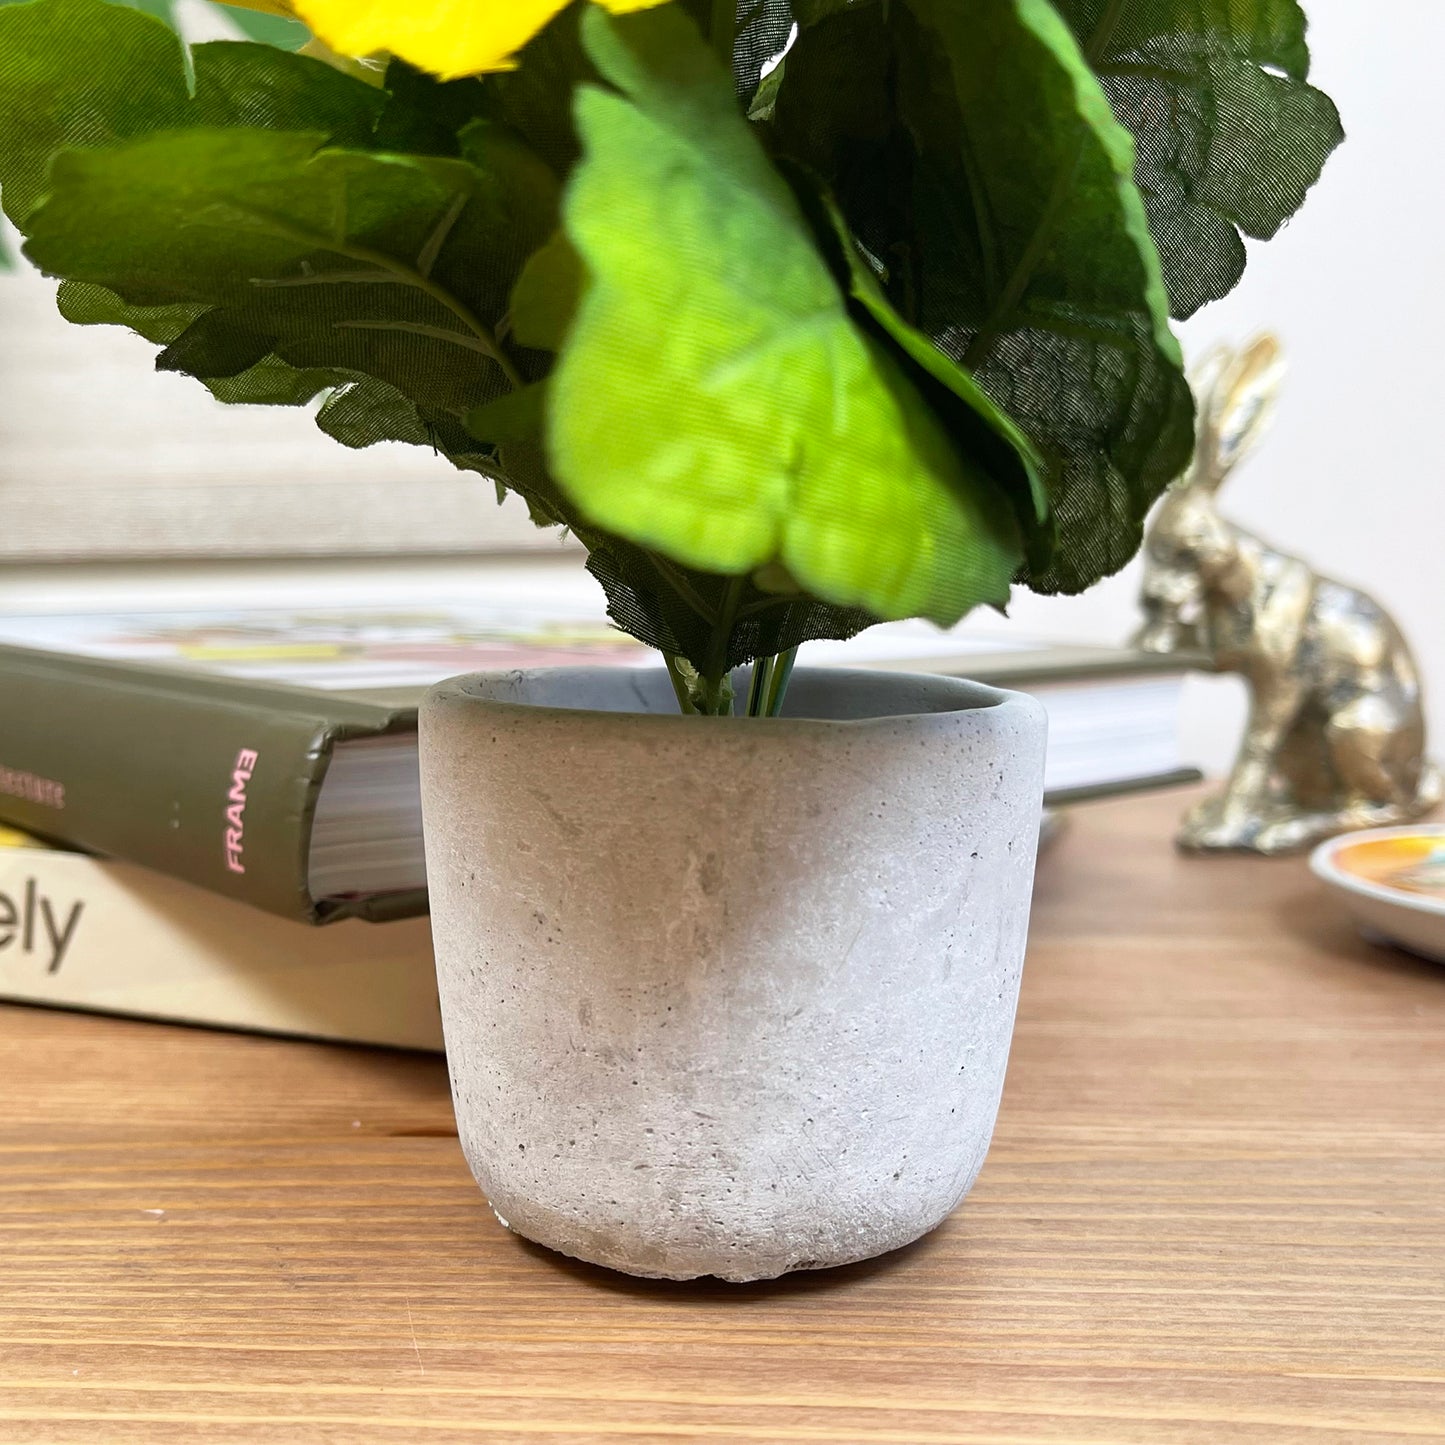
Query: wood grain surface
x=1214, y=1211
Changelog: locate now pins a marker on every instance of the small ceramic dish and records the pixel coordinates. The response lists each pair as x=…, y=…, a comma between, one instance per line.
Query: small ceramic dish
x=1393, y=881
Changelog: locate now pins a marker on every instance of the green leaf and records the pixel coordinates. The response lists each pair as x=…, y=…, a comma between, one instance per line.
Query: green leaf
x=424, y=115
x=535, y=100
x=976, y=157
x=392, y=267
x=81, y=73
x=241, y=84
x=681, y=611
x=362, y=411
x=267, y=29
x=676, y=609
x=519, y=416
x=269, y=382
x=547, y=295
x=1230, y=135
x=715, y=401
x=87, y=305
x=979, y=427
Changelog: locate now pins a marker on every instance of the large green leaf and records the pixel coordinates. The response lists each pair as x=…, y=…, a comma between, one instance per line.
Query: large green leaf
x=714, y=621
x=79, y=73
x=223, y=223
x=975, y=155
x=1230, y=134
x=714, y=401
x=85, y=74
x=386, y=266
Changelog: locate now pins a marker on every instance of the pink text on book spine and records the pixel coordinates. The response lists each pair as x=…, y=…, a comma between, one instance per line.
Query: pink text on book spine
x=246, y=761
x=17, y=783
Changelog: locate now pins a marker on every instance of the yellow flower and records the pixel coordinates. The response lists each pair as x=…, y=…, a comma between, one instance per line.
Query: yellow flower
x=447, y=37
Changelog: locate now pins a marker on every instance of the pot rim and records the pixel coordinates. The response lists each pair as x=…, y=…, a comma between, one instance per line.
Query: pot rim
x=957, y=696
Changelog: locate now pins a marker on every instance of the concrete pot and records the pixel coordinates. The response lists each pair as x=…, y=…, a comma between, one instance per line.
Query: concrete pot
x=727, y=996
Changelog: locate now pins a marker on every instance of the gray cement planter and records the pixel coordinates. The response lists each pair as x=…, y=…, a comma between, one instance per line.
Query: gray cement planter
x=728, y=996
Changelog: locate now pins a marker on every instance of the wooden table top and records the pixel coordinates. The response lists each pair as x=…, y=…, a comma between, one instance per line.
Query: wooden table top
x=1214, y=1211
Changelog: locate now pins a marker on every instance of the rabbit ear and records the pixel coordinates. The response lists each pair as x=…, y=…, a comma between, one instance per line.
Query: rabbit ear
x=1206, y=373
x=1208, y=380
x=1241, y=408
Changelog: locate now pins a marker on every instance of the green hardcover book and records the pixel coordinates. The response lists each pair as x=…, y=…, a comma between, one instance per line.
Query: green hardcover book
x=271, y=756
x=213, y=779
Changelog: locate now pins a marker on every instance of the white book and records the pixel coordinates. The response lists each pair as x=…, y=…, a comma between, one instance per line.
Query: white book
x=86, y=933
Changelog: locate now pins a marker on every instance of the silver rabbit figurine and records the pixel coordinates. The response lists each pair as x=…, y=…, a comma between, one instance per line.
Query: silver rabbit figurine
x=1336, y=734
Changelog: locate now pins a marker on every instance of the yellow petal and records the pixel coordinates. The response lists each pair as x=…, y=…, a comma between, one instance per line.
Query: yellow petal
x=447, y=37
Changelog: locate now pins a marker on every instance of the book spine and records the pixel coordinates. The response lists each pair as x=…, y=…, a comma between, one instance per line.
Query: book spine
x=1153, y=782
x=214, y=787
x=106, y=937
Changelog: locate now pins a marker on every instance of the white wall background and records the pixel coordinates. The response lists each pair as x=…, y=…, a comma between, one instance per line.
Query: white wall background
x=1353, y=476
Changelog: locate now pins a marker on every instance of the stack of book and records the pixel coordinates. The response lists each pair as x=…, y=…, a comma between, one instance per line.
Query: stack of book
x=230, y=808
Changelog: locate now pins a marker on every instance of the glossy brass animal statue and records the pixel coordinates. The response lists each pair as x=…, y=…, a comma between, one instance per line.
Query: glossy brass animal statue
x=1336, y=735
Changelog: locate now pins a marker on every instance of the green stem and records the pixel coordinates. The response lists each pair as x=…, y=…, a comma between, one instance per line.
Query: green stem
x=1098, y=42
x=677, y=579
x=679, y=684
x=716, y=689
x=716, y=698
x=761, y=686
x=782, y=675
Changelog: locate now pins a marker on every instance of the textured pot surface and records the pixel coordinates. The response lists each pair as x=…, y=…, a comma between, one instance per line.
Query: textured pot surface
x=728, y=996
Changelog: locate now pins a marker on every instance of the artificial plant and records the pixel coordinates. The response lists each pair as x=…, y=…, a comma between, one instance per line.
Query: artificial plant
x=801, y=314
